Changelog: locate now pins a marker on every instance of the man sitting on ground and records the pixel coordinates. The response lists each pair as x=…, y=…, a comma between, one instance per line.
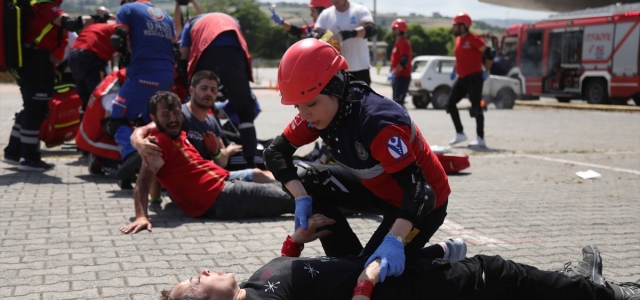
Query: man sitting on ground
x=478, y=277
x=203, y=131
x=198, y=186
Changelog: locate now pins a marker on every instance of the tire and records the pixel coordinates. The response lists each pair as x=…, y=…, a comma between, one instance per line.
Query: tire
x=636, y=99
x=595, y=91
x=564, y=99
x=421, y=101
x=440, y=98
x=505, y=99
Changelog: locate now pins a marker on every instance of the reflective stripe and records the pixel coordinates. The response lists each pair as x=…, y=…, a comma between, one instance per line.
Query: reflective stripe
x=29, y=140
x=98, y=144
x=30, y=132
x=44, y=32
x=64, y=125
x=15, y=133
x=245, y=125
x=63, y=88
x=364, y=173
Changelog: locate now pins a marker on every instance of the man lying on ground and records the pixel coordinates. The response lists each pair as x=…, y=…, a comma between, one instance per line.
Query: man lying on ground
x=198, y=186
x=479, y=277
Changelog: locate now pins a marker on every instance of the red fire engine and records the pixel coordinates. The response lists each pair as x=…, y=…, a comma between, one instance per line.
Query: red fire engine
x=591, y=54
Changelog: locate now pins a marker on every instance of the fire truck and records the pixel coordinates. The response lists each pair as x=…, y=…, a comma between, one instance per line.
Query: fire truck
x=591, y=54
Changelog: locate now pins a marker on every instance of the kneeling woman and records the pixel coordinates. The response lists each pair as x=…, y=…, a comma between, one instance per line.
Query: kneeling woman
x=385, y=164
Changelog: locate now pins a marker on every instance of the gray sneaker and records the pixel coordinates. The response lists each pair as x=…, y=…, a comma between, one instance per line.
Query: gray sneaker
x=625, y=290
x=590, y=266
x=460, y=137
x=457, y=248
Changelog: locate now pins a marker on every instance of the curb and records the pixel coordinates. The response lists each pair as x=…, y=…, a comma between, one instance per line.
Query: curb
x=580, y=106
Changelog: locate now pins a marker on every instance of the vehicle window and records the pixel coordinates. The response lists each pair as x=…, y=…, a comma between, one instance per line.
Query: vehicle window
x=419, y=66
x=445, y=66
x=510, y=44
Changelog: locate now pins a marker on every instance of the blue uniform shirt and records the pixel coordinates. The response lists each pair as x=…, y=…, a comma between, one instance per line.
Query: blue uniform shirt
x=151, y=36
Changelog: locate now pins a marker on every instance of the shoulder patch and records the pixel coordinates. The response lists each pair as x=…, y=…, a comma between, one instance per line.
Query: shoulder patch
x=362, y=153
x=397, y=147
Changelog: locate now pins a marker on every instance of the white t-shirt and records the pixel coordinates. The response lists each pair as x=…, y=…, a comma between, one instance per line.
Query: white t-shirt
x=355, y=50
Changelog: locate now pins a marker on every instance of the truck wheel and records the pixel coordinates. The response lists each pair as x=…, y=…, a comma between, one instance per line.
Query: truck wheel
x=636, y=99
x=440, y=98
x=421, y=101
x=505, y=99
x=564, y=99
x=596, y=92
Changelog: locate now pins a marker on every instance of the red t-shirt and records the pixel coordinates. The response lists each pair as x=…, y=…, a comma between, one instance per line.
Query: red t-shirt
x=44, y=14
x=401, y=47
x=97, y=39
x=193, y=182
x=468, y=55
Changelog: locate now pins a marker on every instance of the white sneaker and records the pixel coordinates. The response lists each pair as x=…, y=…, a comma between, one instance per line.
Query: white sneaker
x=478, y=142
x=460, y=137
x=456, y=247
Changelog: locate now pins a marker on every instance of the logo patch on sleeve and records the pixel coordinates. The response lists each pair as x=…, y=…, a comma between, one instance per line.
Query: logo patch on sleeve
x=397, y=147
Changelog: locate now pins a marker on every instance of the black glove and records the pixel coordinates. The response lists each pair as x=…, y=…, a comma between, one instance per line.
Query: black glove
x=181, y=67
x=101, y=18
x=347, y=34
x=125, y=59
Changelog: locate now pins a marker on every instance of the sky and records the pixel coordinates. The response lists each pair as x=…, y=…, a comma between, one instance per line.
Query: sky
x=449, y=8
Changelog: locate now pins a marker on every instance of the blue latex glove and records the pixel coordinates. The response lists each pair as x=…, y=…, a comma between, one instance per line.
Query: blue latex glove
x=309, y=31
x=453, y=74
x=275, y=17
x=391, y=77
x=485, y=75
x=303, y=211
x=391, y=254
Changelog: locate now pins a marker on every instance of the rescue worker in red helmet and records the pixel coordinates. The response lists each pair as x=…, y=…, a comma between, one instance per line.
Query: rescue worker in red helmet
x=315, y=6
x=385, y=164
x=400, y=75
x=471, y=55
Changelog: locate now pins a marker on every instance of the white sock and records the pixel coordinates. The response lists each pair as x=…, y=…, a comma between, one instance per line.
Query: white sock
x=447, y=253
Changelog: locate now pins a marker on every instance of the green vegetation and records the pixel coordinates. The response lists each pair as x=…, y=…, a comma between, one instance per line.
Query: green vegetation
x=428, y=36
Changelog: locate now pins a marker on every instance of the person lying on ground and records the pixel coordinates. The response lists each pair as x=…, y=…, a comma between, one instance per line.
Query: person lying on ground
x=480, y=277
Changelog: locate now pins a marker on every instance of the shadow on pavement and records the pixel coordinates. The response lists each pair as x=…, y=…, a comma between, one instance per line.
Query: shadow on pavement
x=29, y=177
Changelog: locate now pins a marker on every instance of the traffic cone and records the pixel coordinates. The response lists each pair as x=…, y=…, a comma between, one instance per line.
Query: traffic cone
x=277, y=87
x=270, y=84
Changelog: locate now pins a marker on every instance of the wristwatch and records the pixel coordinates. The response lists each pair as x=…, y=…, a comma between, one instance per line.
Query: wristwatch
x=397, y=237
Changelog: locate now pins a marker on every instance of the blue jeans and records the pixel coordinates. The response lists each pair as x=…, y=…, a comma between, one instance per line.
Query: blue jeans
x=244, y=175
x=133, y=101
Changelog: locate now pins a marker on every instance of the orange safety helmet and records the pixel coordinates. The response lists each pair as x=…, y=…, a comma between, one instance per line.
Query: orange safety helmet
x=320, y=3
x=462, y=18
x=306, y=68
x=399, y=24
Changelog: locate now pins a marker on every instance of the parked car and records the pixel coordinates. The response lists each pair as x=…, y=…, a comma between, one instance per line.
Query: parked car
x=431, y=83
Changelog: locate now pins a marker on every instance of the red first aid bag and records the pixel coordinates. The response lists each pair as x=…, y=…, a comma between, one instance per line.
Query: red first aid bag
x=453, y=163
x=64, y=119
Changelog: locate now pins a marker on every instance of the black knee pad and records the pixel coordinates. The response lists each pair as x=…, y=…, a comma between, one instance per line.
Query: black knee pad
x=111, y=125
x=312, y=176
x=38, y=110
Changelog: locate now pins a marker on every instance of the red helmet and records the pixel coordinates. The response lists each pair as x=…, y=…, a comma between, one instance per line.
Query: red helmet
x=306, y=68
x=400, y=24
x=320, y=3
x=462, y=18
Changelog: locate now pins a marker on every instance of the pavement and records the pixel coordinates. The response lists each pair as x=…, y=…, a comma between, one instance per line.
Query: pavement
x=520, y=199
